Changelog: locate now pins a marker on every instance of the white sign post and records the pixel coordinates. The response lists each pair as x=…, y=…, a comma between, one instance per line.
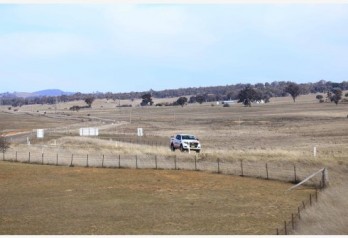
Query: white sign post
x=140, y=132
x=315, y=151
x=40, y=133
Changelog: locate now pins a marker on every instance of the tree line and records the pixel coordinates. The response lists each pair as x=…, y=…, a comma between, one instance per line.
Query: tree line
x=245, y=93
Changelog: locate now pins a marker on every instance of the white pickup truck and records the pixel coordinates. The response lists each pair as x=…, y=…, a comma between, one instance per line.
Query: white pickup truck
x=185, y=142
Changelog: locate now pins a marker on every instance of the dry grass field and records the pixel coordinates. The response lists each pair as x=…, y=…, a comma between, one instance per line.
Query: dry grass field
x=61, y=200
x=280, y=131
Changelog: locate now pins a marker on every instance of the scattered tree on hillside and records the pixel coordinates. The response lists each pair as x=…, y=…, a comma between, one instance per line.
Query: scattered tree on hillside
x=192, y=99
x=336, y=95
x=75, y=108
x=200, y=99
x=248, y=95
x=346, y=95
x=293, y=89
x=226, y=92
x=4, y=144
x=182, y=101
x=89, y=101
x=147, y=100
x=320, y=98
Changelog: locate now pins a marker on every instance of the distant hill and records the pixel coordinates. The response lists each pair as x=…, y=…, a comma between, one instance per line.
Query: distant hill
x=50, y=92
x=42, y=93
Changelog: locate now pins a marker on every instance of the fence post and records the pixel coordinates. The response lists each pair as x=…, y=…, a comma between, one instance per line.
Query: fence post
x=285, y=229
x=87, y=161
x=119, y=161
x=292, y=221
x=3, y=155
x=316, y=194
x=218, y=163
x=175, y=162
x=196, y=162
x=303, y=205
x=57, y=160
x=103, y=162
x=299, y=213
x=16, y=156
x=156, y=161
x=29, y=158
x=241, y=167
x=71, y=162
x=42, y=158
x=136, y=161
x=310, y=199
x=323, y=179
x=277, y=231
x=267, y=170
x=295, y=173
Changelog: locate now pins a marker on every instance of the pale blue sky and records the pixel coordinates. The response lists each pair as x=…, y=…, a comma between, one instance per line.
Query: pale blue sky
x=123, y=48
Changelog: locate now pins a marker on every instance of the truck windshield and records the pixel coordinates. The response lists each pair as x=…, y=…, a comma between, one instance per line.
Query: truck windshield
x=188, y=137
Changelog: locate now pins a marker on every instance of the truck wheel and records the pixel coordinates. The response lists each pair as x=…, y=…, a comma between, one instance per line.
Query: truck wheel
x=182, y=148
x=172, y=147
x=198, y=151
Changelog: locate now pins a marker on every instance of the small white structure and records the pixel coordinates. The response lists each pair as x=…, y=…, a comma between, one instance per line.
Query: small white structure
x=228, y=102
x=89, y=131
x=140, y=132
x=40, y=133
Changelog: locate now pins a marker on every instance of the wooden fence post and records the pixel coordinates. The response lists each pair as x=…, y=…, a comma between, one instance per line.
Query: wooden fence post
x=57, y=160
x=103, y=162
x=299, y=213
x=241, y=167
x=277, y=231
x=156, y=161
x=87, y=161
x=175, y=162
x=16, y=157
x=303, y=203
x=42, y=158
x=285, y=228
x=323, y=179
x=292, y=221
x=29, y=158
x=119, y=161
x=196, y=162
x=218, y=164
x=316, y=194
x=3, y=155
x=267, y=170
x=136, y=161
x=71, y=162
x=310, y=199
x=295, y=174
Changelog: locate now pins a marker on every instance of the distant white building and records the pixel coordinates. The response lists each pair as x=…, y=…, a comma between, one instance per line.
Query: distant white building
x=228, y=102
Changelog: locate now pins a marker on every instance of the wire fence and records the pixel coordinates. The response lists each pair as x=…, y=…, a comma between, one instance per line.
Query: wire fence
x=269, y=171
x=291, y=224
x=258, y=169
